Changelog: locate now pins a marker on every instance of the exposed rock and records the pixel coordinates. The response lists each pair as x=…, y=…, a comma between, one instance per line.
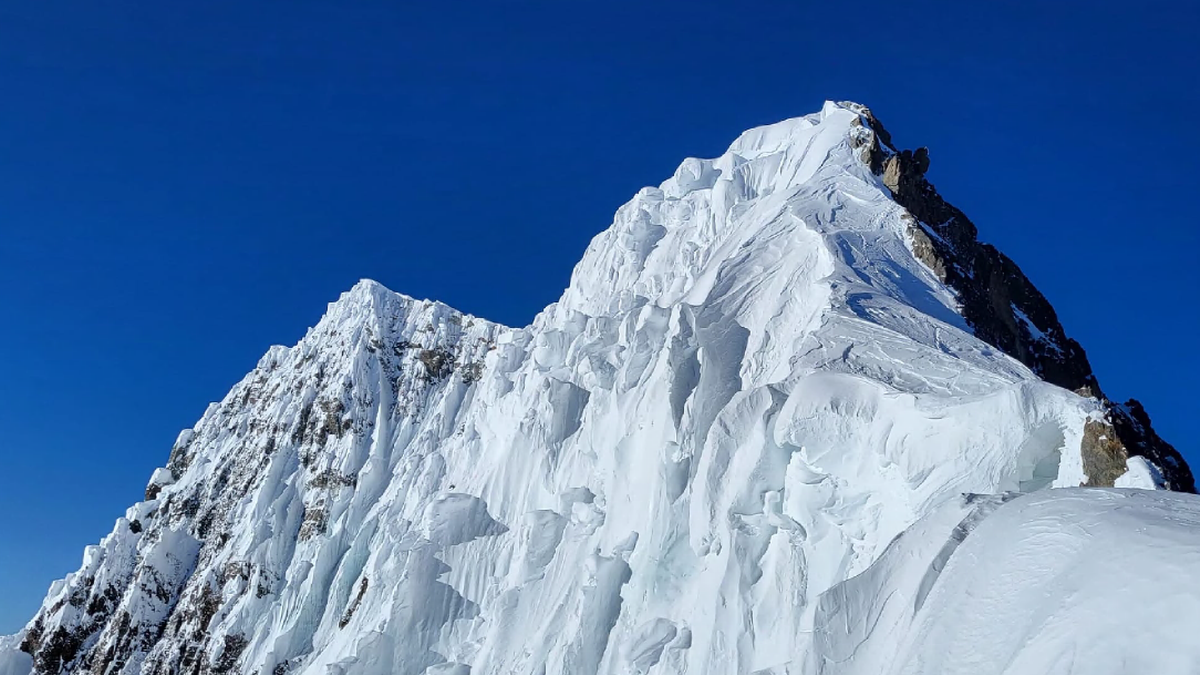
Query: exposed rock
x=472, y=371
x=924, y=248
x=868, y=136
x=1134, y=430
x=1103, y=455
x=58, y=651
x=1000, y=303
x=349, y=613
x=315, y=522
x=32, y=642
x=332, y=479
x=867, y=142
x=180, y=456
x=233, y=647
x=438, y=362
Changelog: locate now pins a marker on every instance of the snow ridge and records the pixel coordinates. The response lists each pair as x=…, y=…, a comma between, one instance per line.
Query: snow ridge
x=750, y=389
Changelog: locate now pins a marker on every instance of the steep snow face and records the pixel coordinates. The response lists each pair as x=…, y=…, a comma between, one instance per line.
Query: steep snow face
x=749, y=389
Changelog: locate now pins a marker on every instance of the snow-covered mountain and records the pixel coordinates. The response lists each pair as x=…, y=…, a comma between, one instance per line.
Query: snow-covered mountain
x=789, y=417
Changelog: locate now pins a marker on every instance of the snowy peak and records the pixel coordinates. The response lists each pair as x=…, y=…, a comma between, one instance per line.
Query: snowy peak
x=263, y=472
x=763, y=372
x=667, y=245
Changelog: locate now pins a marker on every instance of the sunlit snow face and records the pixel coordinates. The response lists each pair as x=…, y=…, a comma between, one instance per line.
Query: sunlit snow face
x=749, y=391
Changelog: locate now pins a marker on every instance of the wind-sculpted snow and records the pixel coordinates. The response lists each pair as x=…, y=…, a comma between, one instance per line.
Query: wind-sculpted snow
x=1061, y=581
x=749, y=390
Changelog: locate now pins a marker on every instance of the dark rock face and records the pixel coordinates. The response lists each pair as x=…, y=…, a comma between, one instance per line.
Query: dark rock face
x=1004, y=307
x=1134, y=429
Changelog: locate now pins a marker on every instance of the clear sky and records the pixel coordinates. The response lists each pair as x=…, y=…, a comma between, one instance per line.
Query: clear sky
x=183, y=184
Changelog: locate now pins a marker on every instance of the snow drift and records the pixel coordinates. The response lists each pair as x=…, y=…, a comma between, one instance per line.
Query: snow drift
x=740, y=442
x=1058, y=581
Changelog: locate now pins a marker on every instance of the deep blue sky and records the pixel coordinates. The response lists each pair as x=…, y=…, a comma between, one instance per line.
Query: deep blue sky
x=183, y=184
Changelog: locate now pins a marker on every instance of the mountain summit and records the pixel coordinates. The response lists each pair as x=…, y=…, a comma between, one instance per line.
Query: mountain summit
x=790, y=416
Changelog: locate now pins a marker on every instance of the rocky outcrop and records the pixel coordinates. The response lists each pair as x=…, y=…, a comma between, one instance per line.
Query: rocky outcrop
x=1103, y=454
x=1134, y=430
x=1002, y=305
x=157, y=595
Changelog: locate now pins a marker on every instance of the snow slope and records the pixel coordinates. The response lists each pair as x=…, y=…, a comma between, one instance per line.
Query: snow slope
x=749, y=390
x=1094, y=581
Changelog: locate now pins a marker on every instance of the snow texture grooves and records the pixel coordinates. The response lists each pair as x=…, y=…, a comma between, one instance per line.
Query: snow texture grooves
x=751, y=418
x=1058, y=581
